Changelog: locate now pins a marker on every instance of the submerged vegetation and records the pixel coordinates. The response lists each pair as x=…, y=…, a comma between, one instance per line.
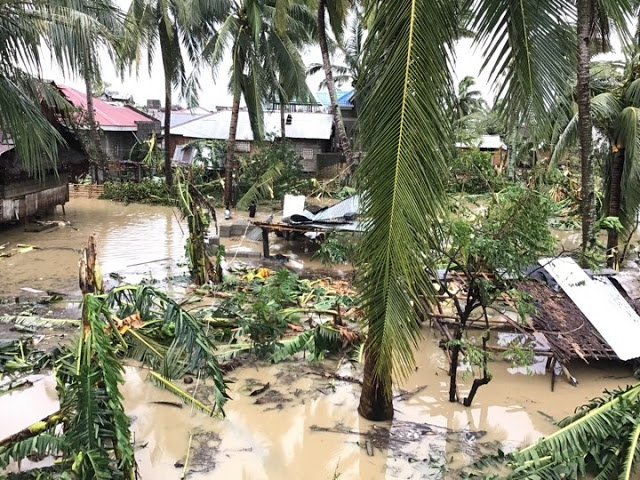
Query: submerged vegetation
x=449, y=228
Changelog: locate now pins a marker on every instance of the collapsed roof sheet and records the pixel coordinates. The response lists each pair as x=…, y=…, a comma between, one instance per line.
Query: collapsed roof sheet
x=601, y=303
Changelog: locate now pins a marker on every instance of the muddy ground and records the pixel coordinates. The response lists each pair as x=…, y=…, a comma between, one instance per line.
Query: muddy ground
x=305, y=424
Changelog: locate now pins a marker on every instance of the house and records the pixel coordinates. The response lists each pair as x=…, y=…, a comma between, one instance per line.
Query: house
x=23, y=196
x=179, y=115
x=310, y=133
x=492, y=144
x=121, y=126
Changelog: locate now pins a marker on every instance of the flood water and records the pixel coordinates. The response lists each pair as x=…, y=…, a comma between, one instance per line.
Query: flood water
x=137, y=242
x=305, y=425
x=282, y=433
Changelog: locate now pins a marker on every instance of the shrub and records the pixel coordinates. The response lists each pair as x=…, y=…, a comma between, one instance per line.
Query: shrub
x=147, y=191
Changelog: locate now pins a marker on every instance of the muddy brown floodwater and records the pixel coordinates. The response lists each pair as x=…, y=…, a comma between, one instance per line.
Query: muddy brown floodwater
x=305, y=425
x=137, y=242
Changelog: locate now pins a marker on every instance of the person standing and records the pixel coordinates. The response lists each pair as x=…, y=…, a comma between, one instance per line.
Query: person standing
x=252, y=209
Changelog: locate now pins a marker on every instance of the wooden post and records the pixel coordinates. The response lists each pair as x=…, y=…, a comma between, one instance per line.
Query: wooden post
x=265, y=242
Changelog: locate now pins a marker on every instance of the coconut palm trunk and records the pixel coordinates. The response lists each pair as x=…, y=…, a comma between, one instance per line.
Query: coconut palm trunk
x=283, y=123
x=94, y=135
x=584, y=122
x=376, y=399
x=331, y=86
x=613, y=204
x=168, y=172
x=229, y=163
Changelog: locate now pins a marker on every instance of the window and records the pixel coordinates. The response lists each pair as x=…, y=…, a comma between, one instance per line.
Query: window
x=243, y=147
x=307, y=154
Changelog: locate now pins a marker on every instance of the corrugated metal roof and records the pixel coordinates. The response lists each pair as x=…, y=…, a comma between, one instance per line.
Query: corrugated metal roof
x=348, y=206
x=108, y=116
x=312, y=126
x=344, y=98
x=486, y=142
x=181, y=118
x=601, y=303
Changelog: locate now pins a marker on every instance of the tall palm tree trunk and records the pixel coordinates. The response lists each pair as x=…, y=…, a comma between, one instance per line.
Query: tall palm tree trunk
x=584, y=123
x=331, y=86
x=283, y=123
x=613, y=204
x=376, y=402
x=94, y=135
x=229, y=163
x=168, y=172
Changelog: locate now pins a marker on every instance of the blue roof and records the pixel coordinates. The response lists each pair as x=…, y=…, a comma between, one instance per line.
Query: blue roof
x=344, y=98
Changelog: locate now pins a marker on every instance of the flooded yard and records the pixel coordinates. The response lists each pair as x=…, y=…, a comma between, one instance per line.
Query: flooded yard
x=292, y=420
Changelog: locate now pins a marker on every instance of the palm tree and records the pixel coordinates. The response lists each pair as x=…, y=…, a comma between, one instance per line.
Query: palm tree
x=406, y=131
x=24, y=27
x=177, y=27
x=352, y=52
x=109, y=18
x=616, y=115
x=337, y=11
x=593, y=23
x=468, y=101
x=264, y=60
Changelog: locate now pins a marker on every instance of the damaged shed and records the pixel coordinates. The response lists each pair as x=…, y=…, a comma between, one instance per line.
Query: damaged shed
x=581, y=316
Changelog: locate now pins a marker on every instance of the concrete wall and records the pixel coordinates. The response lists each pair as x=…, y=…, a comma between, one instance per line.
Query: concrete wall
x=316, y=146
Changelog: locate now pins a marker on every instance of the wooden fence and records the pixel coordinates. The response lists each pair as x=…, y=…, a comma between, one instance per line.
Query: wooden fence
x=85, y=190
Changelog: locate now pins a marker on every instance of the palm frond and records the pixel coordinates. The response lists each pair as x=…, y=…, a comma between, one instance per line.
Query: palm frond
x=525, y=43
x=631, y=454
x=43, y=445
x=581, y=432
x=188, y=399
x=38, y=322
x=189, y=347
x=405, y=131
x=263, y=188
x=628, y=137
x=567, y=139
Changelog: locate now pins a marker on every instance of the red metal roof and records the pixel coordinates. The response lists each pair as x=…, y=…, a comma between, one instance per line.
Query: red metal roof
x=107, y=115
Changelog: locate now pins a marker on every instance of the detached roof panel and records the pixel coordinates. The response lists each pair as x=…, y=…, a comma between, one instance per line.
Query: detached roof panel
x=601, y=303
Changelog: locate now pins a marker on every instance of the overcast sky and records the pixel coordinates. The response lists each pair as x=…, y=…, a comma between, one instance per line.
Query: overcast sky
x=151, y=86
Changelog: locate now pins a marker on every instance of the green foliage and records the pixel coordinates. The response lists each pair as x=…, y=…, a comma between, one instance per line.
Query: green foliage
x=21, y=356
x=147, y=191
x=337, y=248
x=271, y=172
x=511, y=235
x=317, y=341
x=264, y=309
x=600, y=440
x=198, y=210
x=472, y=172
x=97, y=437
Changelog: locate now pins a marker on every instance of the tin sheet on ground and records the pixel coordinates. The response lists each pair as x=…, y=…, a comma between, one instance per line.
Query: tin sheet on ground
x=601, y=303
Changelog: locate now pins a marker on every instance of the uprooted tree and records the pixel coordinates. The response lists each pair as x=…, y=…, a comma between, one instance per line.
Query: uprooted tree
x=91, y=432
x=481, y=256
x=199, y=212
